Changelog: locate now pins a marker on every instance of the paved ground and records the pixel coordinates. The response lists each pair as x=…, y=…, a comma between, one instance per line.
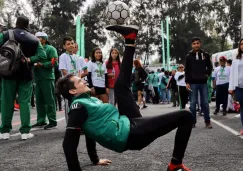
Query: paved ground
x=208, y=150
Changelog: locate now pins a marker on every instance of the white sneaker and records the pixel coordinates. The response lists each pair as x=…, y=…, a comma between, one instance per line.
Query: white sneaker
x=5, y=136
x=27, y=136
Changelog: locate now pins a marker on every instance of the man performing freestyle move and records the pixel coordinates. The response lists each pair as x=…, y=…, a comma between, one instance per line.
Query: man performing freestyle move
x=122, y=129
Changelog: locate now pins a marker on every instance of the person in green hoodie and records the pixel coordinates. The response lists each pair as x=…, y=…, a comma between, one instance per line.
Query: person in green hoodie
x=123, y=128
x=45, y=85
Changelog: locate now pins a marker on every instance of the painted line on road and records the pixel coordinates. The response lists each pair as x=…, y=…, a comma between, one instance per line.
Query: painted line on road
x=227, y=128
x=35, y=129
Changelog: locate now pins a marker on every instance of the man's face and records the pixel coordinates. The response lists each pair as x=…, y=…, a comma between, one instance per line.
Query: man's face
x=222, y=62
x=196, y=45
x=80, y=85
x=42, y=41
x=75, y=49
x=69, y=46
x=228, y=64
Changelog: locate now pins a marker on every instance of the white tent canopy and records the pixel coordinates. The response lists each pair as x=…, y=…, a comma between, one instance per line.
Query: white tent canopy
x=230, y=54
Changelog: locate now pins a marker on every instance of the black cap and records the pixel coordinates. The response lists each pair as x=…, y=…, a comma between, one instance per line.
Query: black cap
x=22, y=22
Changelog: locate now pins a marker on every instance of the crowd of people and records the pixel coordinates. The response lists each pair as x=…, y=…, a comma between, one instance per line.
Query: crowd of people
x=106, y=95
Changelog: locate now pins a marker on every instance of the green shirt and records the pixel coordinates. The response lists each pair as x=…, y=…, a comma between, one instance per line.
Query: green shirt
x=153, y=79
x=104, y=123
x=46, y=71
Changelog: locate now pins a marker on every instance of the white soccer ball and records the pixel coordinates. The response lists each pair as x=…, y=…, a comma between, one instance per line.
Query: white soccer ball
x=117, y=13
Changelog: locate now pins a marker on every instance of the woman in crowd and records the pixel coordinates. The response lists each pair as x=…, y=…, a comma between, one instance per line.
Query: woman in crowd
x=140, y=76
x=113, y=70
x=221, y=82
x=98, y=78
x=183, y=93
x=236, y=80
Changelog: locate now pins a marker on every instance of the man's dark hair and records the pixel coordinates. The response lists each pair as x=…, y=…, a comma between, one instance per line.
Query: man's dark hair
x=229, y=61
x=196, y=39
x=22, y=22
x=67, y=38
x=162, y=70
x=64, y=85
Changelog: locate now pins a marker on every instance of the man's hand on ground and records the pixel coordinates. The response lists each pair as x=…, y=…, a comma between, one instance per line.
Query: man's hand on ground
x=104, y=162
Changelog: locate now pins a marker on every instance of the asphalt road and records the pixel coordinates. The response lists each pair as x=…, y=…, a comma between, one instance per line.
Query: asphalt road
x=218, y=149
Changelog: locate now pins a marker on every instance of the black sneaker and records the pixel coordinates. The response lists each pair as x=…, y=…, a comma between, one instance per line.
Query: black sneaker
x=129, y=32
x=216, y=112
x=224, y=112
x=144, y=106
x=39, y=125
x=124, y=30
x=50, y=126
x=208, y=125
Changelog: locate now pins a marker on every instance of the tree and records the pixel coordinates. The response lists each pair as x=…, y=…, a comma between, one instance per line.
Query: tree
x=59, y=20
x=95, y=22
x=38, y=8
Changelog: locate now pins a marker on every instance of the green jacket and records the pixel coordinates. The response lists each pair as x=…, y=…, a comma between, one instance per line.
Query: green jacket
x=163, y=85
x=104, y=123
x=46, y=71
x=153, y=79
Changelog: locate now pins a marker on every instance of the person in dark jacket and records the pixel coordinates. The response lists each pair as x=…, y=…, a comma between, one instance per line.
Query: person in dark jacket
x=140, y=76
x=198, y=68
x=22, y=82
x=174, y=89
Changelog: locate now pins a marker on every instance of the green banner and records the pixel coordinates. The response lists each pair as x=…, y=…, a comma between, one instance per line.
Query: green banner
x=168, y=43
x=163, y=44
x=82, y=41
x=78, y=35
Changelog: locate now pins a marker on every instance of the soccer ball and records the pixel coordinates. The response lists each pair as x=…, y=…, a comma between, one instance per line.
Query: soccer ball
x=117, y=13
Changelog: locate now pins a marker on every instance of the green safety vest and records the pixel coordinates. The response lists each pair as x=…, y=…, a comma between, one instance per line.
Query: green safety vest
x=104, y=123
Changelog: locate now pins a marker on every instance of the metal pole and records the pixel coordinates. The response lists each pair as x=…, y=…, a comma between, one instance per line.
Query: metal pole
x=163, y=44
x=168, y=43
x=241, y=18
x=78, y=34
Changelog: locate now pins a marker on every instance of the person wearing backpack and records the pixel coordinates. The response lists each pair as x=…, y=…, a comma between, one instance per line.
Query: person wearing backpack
x=165, y=93
x=19, y=78
x=45, y=85
x=153, y=79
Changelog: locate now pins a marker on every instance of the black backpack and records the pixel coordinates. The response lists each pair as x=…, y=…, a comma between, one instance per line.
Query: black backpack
x=10, y=57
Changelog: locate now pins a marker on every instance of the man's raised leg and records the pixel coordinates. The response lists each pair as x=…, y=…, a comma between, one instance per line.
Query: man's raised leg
x=126, y=103
x=146, y=129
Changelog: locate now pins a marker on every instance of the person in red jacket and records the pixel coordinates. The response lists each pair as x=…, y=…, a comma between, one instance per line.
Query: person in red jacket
x=113, y=70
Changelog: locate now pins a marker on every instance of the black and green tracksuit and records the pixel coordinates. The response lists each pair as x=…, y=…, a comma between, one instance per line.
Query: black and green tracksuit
x=45, y=87
x=22, y=82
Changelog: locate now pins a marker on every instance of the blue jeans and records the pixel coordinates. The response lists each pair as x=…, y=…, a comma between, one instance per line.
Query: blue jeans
x=239, y=98
x=203, y=90
x=165, y=95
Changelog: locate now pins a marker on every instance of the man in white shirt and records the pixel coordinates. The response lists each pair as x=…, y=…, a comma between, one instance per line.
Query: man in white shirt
x=68, y=63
